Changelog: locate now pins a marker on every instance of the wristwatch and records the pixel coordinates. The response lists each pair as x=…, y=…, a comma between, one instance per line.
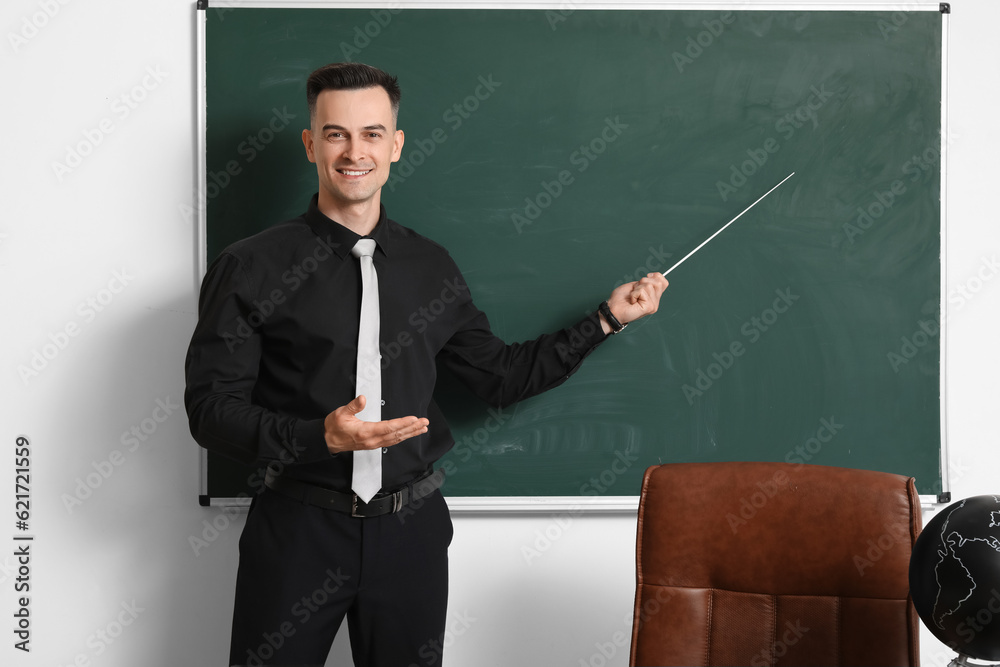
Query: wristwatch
x=616, y=326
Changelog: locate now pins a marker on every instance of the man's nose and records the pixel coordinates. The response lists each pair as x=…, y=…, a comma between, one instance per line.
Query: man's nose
x=354, y=151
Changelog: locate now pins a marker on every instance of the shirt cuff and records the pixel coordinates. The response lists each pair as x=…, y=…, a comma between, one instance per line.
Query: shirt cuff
x=310, y=441
x=588, y=333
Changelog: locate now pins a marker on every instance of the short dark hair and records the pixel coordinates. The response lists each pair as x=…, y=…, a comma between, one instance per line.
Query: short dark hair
x=351, y=76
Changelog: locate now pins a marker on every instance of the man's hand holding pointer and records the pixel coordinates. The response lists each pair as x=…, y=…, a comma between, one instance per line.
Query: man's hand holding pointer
x=632, y=301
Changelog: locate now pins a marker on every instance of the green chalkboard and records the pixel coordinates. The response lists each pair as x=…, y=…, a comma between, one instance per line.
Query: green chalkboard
x=557, y=153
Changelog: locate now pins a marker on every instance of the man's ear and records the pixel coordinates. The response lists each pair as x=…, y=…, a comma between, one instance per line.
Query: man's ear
x=397, y=145
x=307, y=141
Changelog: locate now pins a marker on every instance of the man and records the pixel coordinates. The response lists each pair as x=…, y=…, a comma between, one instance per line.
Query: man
x=286, y=393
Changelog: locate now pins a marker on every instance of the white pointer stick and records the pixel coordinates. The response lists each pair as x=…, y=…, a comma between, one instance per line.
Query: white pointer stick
x=727, y=224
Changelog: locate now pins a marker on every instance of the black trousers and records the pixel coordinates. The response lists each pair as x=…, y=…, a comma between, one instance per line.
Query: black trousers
x=304, y=568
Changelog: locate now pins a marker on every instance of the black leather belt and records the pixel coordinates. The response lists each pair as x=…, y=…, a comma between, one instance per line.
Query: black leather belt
x=349, y=503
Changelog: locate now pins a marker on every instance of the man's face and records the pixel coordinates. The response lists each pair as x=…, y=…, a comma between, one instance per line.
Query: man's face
x=352, y=141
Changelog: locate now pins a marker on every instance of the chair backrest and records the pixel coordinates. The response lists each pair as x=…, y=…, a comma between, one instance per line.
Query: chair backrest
x=774, y=564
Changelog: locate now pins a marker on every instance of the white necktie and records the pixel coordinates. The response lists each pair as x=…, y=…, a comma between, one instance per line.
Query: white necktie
x=367, y=476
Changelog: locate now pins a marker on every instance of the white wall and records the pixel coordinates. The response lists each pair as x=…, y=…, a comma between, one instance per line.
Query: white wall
x=119, y=564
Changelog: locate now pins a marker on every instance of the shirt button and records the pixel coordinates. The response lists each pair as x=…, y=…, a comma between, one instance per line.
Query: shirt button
x=383, y=401
x=385, y=450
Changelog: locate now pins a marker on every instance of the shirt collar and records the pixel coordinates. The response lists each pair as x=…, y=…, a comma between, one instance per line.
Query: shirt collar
x=340, y=237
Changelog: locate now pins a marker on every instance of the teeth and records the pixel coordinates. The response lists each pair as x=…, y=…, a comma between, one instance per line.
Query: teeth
x=354, y=173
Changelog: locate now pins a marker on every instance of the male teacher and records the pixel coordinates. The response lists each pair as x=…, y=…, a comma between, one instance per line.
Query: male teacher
x=289, y=365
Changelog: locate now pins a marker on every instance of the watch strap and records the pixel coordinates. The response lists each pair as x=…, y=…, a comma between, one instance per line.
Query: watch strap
x=616, y=326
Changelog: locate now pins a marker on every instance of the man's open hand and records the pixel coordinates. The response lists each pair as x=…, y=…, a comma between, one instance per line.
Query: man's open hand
x=346, y=433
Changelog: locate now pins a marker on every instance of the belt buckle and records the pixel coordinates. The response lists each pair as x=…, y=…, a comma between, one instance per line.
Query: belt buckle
x=397, y=504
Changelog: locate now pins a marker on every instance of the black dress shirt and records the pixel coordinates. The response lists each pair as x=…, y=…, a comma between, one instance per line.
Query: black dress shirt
x=275, y=347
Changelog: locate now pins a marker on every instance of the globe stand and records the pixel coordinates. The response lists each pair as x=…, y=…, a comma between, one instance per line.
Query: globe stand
x=963, y=661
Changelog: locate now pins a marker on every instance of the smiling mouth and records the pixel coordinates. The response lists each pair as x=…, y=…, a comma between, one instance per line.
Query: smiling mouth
x=354, y=172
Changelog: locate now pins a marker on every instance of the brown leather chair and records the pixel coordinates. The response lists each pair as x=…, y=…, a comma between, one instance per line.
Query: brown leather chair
x=774, y=564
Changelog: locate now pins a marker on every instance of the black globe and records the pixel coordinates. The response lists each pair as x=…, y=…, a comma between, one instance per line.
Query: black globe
x=955, y=576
